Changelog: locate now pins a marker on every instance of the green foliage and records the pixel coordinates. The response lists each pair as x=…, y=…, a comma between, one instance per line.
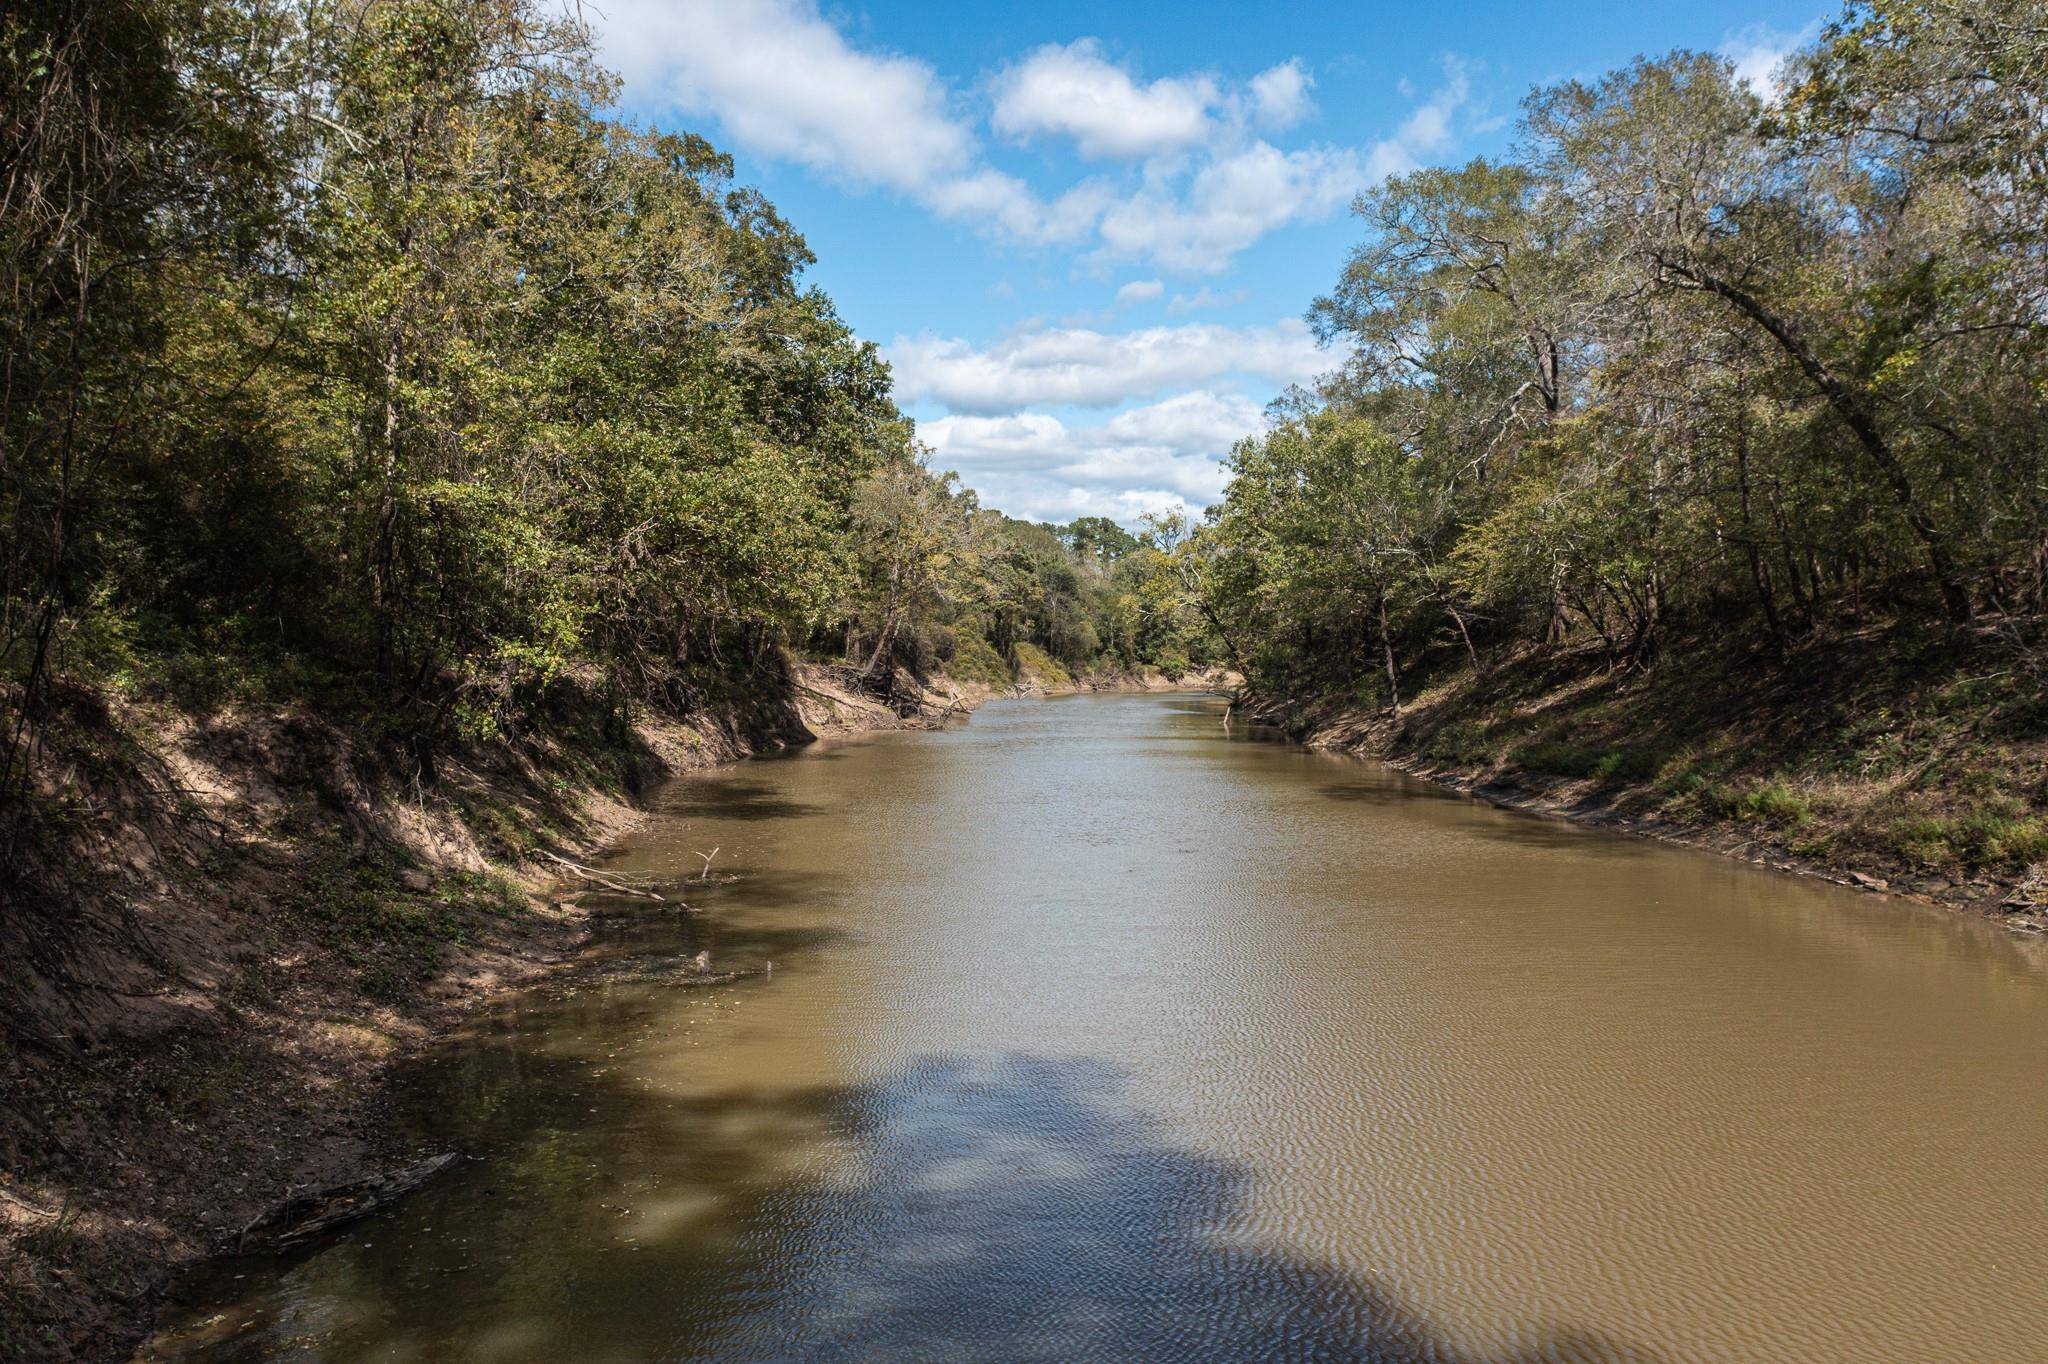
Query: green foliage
x=421, y=381
x=938, y=580
x=519, y=392
x=1562, y=757
x=1173, y=663
x=1985, y=838
x=974, y=659
x=1767, y=802
x=358, y=357
x=1687, y=362
x=1035, y=665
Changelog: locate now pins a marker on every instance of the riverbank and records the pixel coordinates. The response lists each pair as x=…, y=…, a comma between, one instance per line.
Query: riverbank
x=318, y=918
x=1899, y=767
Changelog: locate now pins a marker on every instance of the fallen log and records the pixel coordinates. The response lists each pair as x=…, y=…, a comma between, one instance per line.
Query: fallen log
x=305, y=1217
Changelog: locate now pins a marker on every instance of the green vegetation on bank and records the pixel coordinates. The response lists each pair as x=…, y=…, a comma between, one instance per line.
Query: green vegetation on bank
x=1693, y=402
x=1879, y=750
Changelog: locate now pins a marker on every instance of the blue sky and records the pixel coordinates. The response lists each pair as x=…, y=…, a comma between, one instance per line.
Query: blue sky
x=1085, y=235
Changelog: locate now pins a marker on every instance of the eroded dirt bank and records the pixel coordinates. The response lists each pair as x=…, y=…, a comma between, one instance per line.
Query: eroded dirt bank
x=303, y=915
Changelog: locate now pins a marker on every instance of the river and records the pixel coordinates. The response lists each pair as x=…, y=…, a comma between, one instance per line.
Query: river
x=1095, y=1032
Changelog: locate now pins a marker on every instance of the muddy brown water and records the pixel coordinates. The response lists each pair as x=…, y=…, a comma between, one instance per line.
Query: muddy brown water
x=1097, y=1034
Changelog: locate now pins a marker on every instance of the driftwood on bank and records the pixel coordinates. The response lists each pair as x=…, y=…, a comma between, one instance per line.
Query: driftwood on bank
x=890, y=688
x=845, y=700
x=304, y=1217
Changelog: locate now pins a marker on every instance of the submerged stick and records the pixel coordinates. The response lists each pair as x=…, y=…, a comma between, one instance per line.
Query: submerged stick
x=699, y=972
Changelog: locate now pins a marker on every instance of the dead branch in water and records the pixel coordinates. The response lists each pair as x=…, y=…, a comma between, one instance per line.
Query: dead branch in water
x=588, y=875
x=699, y=972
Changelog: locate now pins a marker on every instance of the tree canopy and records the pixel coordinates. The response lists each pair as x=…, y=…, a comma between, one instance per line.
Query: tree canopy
x=1689, y=358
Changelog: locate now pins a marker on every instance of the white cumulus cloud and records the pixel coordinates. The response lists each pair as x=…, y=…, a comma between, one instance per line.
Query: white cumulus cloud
x=1228, y=204
x=1205, y=297
x=1166, y=455
x=1241, y=190
x=1202, y=183
x=1759, y=51
x=1081, y=367
x=1004, y=202
x=1072, y=91
x=1425, y=132
x=1202, y=422
x=1280, y=96
x=785, y=82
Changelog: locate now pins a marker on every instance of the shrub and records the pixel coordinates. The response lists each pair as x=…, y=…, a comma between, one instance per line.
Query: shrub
x=1563, y=758
x=1035, y=664
x=1764, y=802
x=1770, y=802
x=975, y=660
x=1984, y=838
x=1464, y=743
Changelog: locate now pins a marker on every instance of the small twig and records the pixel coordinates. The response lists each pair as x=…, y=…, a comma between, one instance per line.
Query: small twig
x=706, y=857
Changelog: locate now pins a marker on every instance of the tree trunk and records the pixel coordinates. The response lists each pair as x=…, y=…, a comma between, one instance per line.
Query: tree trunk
x=883, y=643
x=1800, y=598
x=1387, y=653
x=1471, y=654
x=1757, y=575
x=386, y=552
x=1849, y=405
x=1554, y=629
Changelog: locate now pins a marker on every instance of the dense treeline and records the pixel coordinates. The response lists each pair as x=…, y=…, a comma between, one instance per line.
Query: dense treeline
x=1687, y=361
x=358, y=335
x=354, y=335
x=355, y=358
x=946, y=583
